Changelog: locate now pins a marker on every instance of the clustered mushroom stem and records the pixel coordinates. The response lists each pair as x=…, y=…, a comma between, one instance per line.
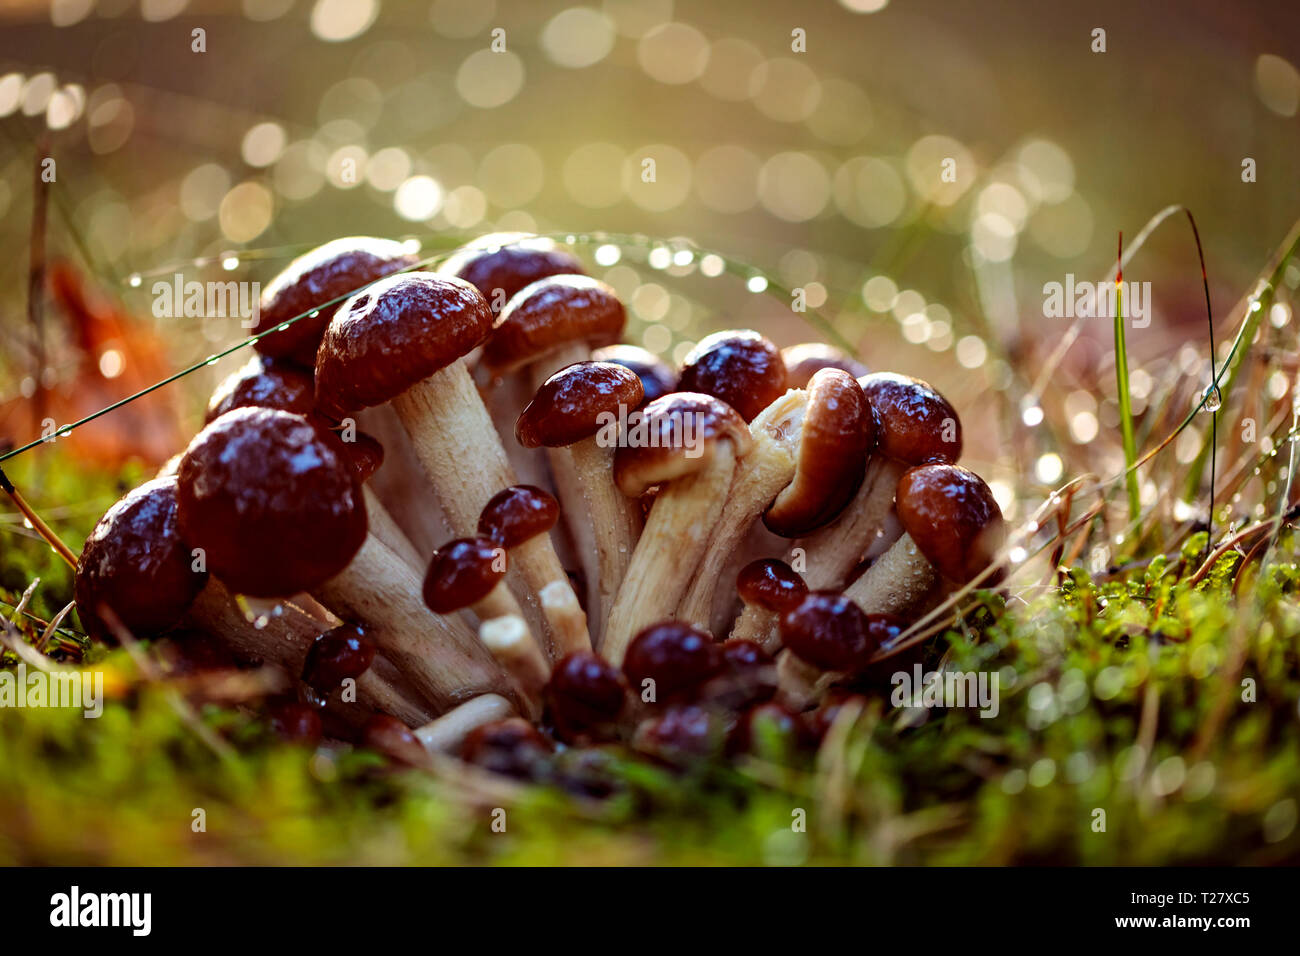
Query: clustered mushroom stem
x=455, y=440
x=832, y=553
x=898, y=582
x=446, y=733
x=440, y=655
x=759, y=625
x=385, y=528
x=680, y=521
x=546, y=366
x=613, y=520
x=401, y=484
x=285, y=639
x=518, y=654
x=799, y=683
x=751, y=492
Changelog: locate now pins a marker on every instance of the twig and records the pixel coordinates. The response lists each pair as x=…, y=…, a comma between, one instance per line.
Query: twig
x=44, y=530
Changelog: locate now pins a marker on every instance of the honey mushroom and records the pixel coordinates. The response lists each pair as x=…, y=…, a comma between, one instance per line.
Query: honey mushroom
x=915, y=425
x=136, y=572
x=402, y=341
x=570, y=416
x=499, y=265
x=274, y=383
x=767, y=588
x=827, y=637
x=738, y=366
x=657, y=376
x=802, y=361
x=470, y=573
x=953, y=530
x=277, y=509
x=809, y=455
x=520, y=518
x=687, y=444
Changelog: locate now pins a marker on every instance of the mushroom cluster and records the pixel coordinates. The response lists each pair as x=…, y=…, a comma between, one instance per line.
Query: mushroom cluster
x=466, y=520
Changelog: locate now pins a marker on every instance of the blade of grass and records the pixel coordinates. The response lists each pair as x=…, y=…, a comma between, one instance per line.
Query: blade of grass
x=1122, y=390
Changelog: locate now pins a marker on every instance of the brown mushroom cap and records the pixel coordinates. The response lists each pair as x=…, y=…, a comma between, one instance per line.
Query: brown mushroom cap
x=915, y=424
x=272, y=500
x=802, y=360
x=657, y=376
x=670, y=426
x=364, y=452
x=676, y=656
x=517, y=514
x=549, y=314
x=396, y=333
x=829, y=631
x=135, y=564
x=953, y=517
x=770, y=584
x=740, y=367
x=574, y=403
x=839, y=431
x=463, y=572
x=337, y=268
x=266, y=383
x=508, y=261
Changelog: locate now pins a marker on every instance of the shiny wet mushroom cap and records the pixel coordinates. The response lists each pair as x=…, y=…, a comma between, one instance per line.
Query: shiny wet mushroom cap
x=338, y=268
x=839, y=431
x=586, y=694
x=576, y=402
x=363, y=451
x=740, y=367
x=502, y=263
x=674, y=436
x=463, y=572
x=264, y=382
x=273, y=502
x=771, y=585
x=517, y=514
x=953, y=517
x=676, y=656
x=829, y=631
x=806, y=358
x=917, y=425
x=550, y=315
x=398, y=332
x=657, y=376
x=340, y=653
x=136, y=566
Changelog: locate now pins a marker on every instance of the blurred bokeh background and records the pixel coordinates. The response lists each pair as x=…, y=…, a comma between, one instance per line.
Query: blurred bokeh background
x=805, y=141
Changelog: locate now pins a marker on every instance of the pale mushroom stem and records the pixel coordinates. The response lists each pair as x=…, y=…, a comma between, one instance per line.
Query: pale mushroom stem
x=518, y=654
x=446, y=734
x=750, y=494
x=546, y=366
x=439, y=655
x=385, y=528
x=401, y=484
x=834, y=551
x=284, y=640
x=898, y=582
x=455, y=440
x=799, y=684
x=612, y=519
x=759, y=625
x=681, y=519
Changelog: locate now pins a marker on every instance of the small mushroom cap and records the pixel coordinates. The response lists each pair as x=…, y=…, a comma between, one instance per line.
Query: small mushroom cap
x=676, y=656
x=364, y=451
x=135, y=564
x=953, y=517
x=396, y=333
x=463, y=572
x=657, y=376
x=550, y=314
x=340, y=653
x=266, y=383
x=518, y=514
x=802, y=360
x=586, y=694
x=740, y=367
x=575, y=403
x=272, y=500
x=915, y=424
x=508, y=261
x=674, y=436
x=337, y=268
x=829, y=631
x=770, y=584
x=839, y=431
x=512, y=747
x=392, y=738
x=684, y=735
